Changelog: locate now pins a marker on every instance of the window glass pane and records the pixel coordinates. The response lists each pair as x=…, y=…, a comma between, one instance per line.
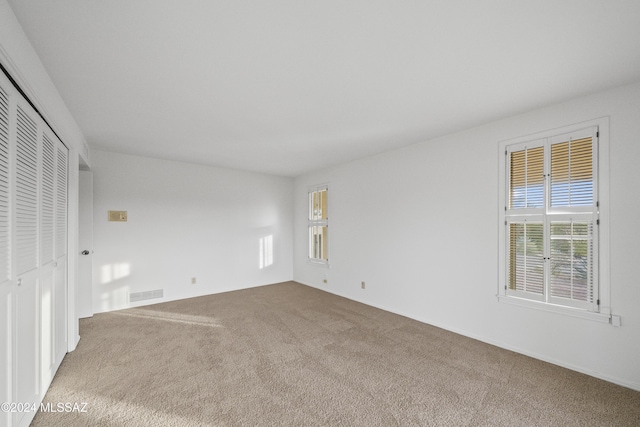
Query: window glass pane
x=526, y=188
x=571, y=260
x=572, y=173
x=526, y=257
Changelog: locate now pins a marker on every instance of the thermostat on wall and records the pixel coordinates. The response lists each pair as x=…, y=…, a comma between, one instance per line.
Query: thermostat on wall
x=118, y=216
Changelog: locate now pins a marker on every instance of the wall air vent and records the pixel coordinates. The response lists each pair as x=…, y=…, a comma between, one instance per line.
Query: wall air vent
x=140, y=296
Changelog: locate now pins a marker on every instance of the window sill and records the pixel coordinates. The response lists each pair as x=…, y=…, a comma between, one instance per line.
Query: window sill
x=318, y=262
x=567, y=311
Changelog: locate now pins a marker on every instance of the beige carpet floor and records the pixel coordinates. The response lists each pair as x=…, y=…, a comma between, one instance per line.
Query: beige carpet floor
x=287, y=354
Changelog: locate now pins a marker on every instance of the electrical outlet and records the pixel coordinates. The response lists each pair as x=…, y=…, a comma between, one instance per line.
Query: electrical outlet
x=362, y=285
x=193, y=280
x=616, y=320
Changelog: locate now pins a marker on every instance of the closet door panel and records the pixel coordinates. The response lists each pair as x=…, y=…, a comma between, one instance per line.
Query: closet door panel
x=47, y=329
x=47, y=261
x=26, y=355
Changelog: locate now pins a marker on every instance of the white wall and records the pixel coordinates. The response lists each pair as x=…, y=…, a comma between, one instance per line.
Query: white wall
x=185, y=221
x=397, y=221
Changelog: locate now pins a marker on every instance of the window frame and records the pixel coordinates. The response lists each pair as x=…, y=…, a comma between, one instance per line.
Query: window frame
x=317, y=222
x=601, y=312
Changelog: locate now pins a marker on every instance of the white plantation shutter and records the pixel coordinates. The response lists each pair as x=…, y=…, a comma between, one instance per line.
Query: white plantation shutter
x=572, y=173
x=5, y=208
x=572, y=257
x=527, y=178
x=26, y=213
x=526, y=261
x=47, y=225
x=61, y=201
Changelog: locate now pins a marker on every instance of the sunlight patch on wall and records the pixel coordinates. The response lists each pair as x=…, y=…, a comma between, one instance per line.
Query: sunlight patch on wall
x=266, y=251
x=114, y=299
x=112, y=272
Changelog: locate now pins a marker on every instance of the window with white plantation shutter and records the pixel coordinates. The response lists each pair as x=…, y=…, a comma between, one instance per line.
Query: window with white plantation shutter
x=551, y=220
x=26, y=213
x=47, y=225
x=5, y=243
x=318, y=222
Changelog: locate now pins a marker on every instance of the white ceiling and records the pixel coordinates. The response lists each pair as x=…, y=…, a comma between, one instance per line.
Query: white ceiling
x=289, y=86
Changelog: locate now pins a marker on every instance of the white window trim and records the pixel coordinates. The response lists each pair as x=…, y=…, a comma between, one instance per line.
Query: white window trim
x=310, y=222
x=604, y=313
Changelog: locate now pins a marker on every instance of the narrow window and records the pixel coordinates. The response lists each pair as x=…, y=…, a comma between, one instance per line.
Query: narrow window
x=318, y=222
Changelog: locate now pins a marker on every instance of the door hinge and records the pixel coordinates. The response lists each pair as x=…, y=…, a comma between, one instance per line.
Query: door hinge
x=598, y=302
x=598, y=134
x=597, y=222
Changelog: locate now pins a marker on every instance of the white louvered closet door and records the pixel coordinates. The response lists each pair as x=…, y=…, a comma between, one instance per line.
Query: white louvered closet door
x=53, y=254
x=6, y=288
x=33, y=254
